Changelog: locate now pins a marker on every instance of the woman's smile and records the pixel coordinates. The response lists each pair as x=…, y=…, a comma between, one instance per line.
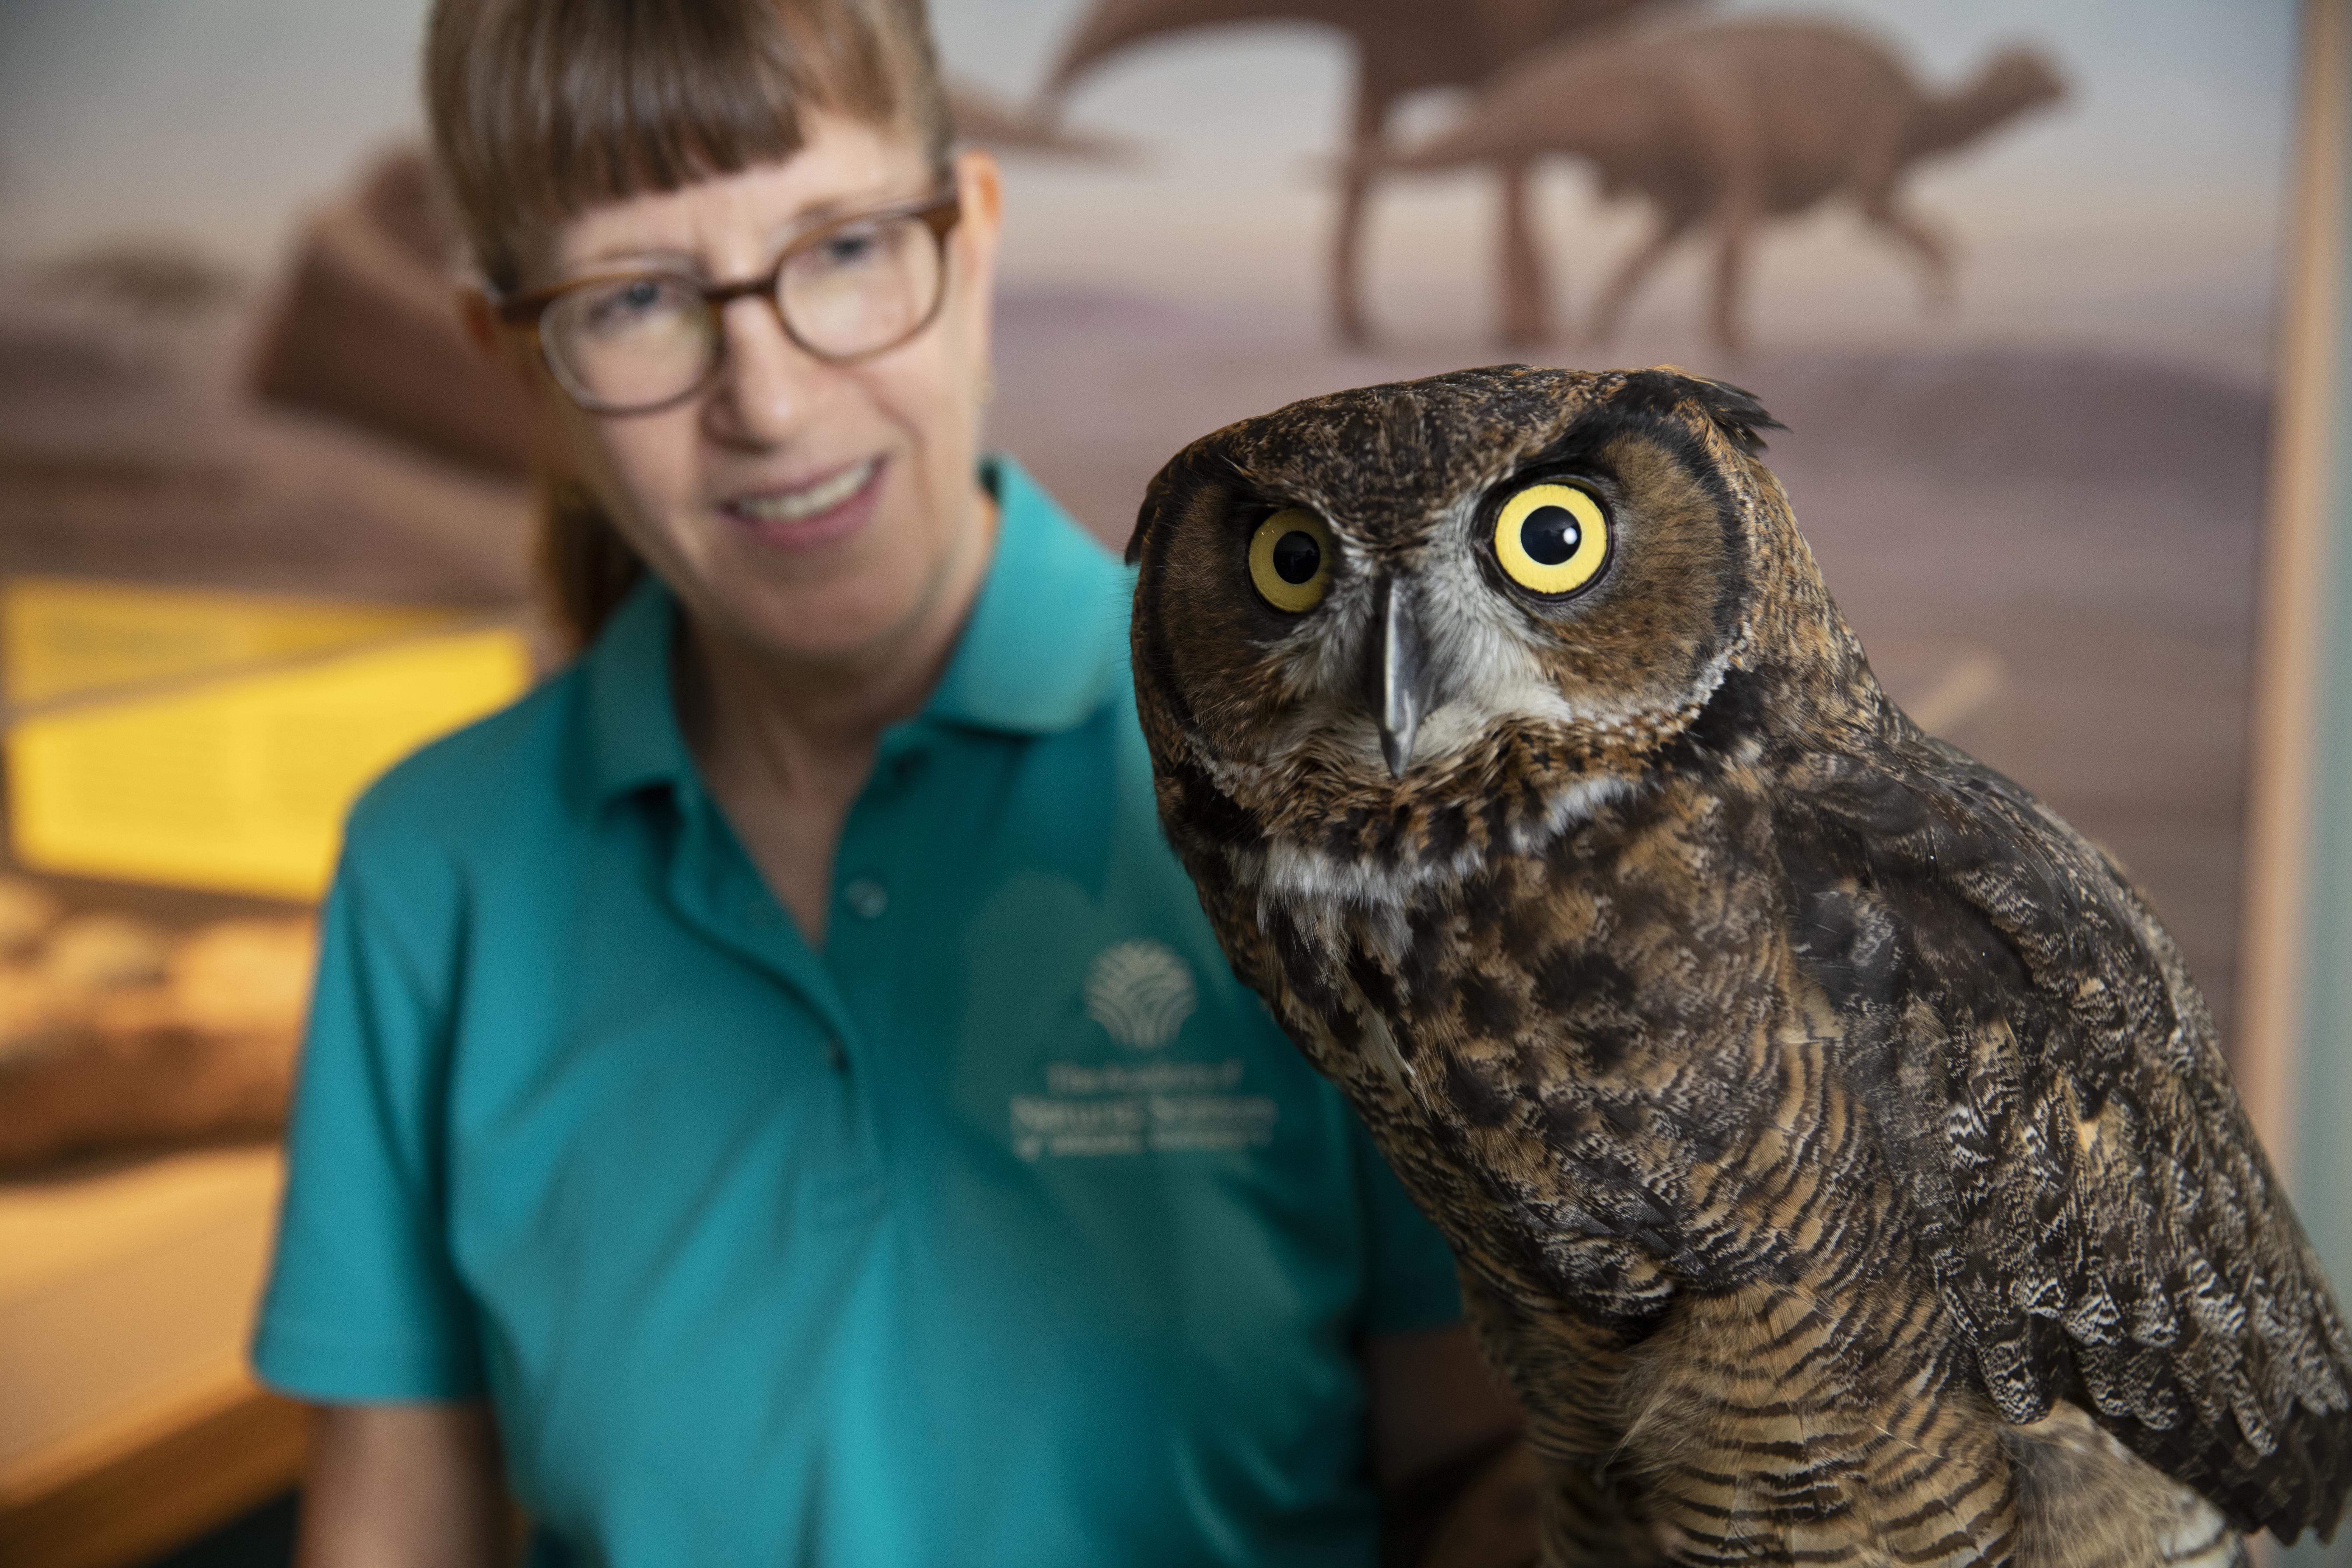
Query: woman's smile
x=818, y=513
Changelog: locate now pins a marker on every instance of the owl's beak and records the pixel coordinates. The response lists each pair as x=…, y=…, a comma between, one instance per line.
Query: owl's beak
x=1399, y=673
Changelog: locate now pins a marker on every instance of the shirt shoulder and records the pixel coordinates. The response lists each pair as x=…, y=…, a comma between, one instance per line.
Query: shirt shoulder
x=467, y=789
x=496, y=805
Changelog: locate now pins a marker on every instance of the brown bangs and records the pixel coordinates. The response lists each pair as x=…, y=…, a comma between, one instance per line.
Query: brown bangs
x=544, y=107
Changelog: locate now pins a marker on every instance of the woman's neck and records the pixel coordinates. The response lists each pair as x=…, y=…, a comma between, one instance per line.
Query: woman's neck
x=786, y=744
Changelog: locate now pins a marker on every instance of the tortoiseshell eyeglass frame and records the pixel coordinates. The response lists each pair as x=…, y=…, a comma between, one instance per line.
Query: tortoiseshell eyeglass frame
x=939, y=212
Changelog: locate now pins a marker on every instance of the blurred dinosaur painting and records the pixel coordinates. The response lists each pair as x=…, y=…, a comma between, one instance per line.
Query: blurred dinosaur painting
x=1402, y=46
x=1724, y=127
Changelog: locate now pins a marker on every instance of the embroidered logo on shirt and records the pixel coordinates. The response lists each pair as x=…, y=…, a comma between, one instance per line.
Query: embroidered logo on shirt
x=1149, y=1108
x=1140, y=991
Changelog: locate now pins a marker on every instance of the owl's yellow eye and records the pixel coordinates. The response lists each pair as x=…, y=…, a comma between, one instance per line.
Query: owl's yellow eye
x=1290, y=559
x=1551, y=539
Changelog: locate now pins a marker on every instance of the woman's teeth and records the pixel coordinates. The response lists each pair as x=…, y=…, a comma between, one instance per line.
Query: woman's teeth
x=793, y=506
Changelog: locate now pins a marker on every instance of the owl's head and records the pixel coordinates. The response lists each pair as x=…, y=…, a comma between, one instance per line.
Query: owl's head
x=1416, y=620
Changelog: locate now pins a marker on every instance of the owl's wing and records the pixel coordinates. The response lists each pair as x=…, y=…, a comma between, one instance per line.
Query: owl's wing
x=2063, y=1125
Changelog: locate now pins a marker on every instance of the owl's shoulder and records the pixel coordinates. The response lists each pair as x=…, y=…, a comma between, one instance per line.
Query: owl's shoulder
x=2049, y=1086
x=1988, y=894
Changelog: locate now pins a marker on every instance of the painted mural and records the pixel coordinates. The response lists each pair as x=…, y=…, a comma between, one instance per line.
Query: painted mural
x=2003, y=268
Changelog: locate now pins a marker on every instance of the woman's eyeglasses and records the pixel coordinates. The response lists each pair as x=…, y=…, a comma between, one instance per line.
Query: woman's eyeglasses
x=631, y=342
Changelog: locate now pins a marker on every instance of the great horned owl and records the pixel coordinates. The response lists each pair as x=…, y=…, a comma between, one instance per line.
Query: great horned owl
x=1837, y=1151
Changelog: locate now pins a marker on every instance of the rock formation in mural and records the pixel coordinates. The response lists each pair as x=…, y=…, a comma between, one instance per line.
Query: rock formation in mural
x=1726, y=127
x=367, y=329
x=153, y=282
x=1402, y=46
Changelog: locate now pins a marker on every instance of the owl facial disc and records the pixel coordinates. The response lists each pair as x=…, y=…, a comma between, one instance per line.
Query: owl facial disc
x=1400, y=675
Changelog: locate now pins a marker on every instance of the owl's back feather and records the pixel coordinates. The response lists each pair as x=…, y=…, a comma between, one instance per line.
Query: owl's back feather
x=2047, y=1081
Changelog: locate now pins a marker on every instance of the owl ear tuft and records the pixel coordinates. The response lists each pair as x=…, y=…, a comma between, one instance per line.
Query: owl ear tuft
x=1733, y=410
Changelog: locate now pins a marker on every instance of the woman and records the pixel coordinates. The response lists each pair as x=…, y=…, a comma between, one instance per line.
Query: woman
x=771, y=1097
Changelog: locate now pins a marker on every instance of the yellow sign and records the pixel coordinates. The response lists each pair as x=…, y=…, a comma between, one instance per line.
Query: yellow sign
x=217, y=740
x=60, y=636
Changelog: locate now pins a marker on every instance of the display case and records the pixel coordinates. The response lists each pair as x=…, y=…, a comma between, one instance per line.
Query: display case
x=178, y=763
x=126, y=1295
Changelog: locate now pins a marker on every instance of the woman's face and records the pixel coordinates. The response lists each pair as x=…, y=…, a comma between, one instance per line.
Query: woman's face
x=816, y=511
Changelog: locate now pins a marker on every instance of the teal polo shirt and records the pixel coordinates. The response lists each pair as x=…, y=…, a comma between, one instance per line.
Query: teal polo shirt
x=1007, y=1229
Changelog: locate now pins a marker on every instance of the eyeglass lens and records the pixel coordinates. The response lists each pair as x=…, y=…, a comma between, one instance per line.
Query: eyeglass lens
x=636, y=342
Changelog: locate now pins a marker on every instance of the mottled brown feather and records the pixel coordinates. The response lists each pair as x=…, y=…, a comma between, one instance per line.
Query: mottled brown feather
x=1837, y=1151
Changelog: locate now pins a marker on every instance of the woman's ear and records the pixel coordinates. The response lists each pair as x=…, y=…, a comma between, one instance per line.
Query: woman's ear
x=981, y=192
x=979, y=188
x=980, y=183
x=481, y=320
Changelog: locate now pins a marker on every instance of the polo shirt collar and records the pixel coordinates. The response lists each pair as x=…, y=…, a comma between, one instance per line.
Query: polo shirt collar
x=633, y=735
x=1047, y=635
x=1044, y=644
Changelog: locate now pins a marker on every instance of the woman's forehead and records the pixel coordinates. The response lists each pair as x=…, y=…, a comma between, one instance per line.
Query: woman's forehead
x=728, y=222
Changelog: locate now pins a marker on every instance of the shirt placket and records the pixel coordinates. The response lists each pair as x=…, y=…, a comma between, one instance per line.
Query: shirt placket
x=868, y=950
x=714, y=887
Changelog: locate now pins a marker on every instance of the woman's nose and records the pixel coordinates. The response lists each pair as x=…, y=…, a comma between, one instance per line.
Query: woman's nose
x=765, y=387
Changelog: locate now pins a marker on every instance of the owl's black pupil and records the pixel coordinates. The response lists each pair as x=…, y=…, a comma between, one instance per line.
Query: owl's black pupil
x=1296, y=557
x=1550, y=535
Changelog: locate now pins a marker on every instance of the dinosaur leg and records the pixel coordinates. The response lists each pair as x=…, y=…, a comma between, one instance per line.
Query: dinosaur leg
x=1739, y=228
x=1933, y=253
x=1631, y=273
x=1347, y=240
x=1523, y=274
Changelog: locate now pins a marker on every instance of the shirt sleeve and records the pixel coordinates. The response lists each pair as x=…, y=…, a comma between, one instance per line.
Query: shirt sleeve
x=1412, y=1286
x=364, y=1304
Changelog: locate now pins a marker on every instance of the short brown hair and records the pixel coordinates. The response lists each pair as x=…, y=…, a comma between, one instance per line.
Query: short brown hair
x=541, y=109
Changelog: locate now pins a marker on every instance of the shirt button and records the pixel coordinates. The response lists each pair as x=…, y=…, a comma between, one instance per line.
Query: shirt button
x=866, y=898
x=834, y=1057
